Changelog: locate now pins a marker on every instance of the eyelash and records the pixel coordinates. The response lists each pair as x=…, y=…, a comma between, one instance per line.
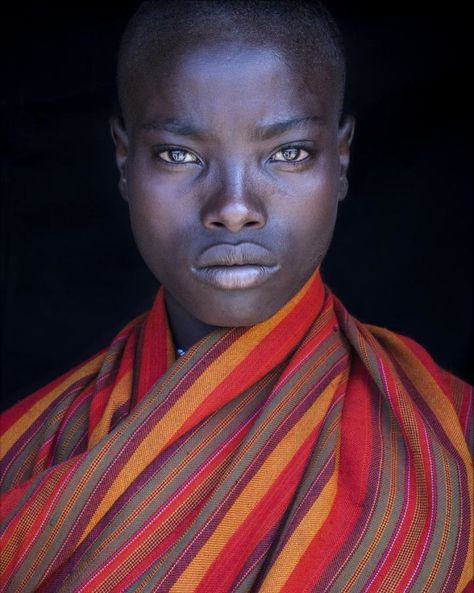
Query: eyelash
x=159, y=150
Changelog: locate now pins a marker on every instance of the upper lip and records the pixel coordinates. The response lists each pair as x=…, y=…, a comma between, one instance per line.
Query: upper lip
x=226, y=254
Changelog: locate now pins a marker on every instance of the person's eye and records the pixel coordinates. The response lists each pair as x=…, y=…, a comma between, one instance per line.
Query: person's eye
x=176, y=156
x=290, y=154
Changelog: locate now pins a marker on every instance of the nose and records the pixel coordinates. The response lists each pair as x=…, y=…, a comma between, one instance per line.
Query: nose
x=234, y=204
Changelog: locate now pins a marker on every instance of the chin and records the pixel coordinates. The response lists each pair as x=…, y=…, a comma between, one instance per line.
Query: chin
x=237, y=311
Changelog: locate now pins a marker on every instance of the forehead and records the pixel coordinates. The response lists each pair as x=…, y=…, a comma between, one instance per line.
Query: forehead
x=230, y=83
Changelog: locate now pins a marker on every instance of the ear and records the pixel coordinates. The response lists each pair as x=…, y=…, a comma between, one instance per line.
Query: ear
x=345, y=136
x=120, y=138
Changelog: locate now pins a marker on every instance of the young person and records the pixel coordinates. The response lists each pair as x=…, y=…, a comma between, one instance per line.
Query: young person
x=247, y=433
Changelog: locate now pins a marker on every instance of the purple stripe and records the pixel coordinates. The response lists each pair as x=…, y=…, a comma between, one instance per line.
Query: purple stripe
x=288, y=526
x=33, y=431
x=438, y=429
x=134, y=488
x=361, y=526
x=63, y=571
x=260, y=555
x=238, y=485
x=102, y=480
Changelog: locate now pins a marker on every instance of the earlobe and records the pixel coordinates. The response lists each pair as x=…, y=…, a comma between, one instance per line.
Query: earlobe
x=120, y=138
x=343, y=188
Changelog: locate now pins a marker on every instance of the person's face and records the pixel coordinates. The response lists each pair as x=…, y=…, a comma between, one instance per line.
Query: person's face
x=232, y=163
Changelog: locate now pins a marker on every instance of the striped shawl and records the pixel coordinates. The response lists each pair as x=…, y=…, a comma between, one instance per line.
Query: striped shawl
x=307, y=453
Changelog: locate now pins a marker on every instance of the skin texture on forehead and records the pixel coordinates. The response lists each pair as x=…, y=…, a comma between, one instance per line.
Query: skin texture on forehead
x=238, y=191
x=192, y=58
x=179, y=48
x=303, y=33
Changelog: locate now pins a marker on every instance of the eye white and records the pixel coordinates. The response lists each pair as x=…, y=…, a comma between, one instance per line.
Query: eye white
x=178, y=156
x=290, y=154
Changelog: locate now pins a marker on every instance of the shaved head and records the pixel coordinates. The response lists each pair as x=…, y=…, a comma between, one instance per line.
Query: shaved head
x=302, y=32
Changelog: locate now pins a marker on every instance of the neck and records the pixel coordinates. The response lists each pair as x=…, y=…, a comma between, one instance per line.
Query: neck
x=185, y=329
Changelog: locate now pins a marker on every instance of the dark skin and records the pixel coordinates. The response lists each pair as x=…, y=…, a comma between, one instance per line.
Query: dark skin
x=232, y=223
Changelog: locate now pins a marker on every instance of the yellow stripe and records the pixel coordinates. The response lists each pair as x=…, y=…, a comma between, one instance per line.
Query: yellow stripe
x=214, y=375
x=255, y=490
x=302, y=537
x=446, y=415
x=468, y=570
x=467, y=573
x=15, y=431
x=439, y=404
x=119, y=395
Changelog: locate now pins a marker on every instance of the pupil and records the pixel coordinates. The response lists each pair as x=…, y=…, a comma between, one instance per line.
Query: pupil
x=290, y=153
x=177, y=155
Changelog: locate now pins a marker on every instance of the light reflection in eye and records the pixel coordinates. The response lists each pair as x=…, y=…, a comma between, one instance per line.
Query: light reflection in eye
x=177, y=156
x=288, y=154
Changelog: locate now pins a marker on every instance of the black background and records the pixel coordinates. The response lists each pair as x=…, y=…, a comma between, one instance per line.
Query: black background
x=72, y=277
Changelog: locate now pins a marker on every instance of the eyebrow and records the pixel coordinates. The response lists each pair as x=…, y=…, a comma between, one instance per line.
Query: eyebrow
x=275, y=129
x=263, y=132
x=174, y=126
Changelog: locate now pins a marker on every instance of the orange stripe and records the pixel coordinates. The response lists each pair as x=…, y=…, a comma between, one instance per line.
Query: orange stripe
x=264, y=517
x=23, y=423
x=170, y=426
x=429, y=390
x=175, y=513
x=444, y=412
x=279, y=341
x=259, y=485
x=119, y=395
x=302, y=536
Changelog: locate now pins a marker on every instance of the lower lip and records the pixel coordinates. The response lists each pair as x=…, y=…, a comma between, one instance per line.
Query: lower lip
x=235, y=277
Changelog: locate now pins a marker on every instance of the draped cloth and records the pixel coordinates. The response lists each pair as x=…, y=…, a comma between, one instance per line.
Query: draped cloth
x=307, y=453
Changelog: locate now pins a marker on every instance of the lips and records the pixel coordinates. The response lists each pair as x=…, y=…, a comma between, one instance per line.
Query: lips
x=232, y=267
x=242, y=254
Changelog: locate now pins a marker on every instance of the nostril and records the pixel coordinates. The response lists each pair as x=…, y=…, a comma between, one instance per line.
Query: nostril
x=233, y=215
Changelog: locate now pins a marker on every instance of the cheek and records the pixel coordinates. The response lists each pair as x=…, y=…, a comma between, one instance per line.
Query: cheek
x=312, y=210
x=157, y=220
x=149, y=196
x=313, y=237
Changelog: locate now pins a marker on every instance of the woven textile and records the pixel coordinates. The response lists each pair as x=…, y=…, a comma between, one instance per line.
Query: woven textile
x=307, y=453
